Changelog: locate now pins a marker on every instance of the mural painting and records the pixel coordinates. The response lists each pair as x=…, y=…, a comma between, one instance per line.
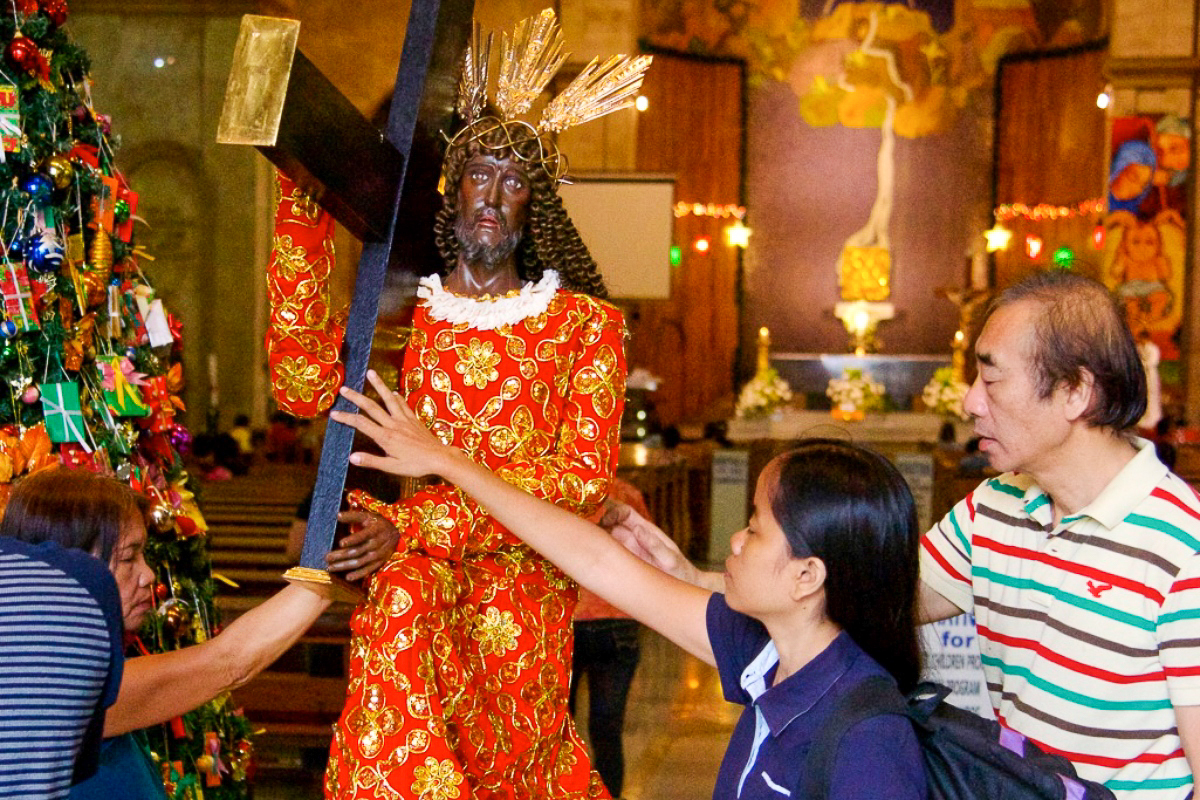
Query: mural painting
x=1144, y=254
x=861, y=114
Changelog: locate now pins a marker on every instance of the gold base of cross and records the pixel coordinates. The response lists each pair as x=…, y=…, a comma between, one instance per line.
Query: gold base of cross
x=340, y=590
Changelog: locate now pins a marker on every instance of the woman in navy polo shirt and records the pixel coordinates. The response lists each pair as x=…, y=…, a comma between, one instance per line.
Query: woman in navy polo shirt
x=820, y=594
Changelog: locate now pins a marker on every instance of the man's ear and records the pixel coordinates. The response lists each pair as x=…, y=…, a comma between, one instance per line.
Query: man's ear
x=1079, y=398
x=807, y=577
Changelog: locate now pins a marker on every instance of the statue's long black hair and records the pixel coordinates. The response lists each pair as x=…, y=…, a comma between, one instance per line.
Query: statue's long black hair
x=551, y=240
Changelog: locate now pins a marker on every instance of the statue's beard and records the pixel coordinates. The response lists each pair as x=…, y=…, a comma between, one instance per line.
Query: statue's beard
x=474, y=251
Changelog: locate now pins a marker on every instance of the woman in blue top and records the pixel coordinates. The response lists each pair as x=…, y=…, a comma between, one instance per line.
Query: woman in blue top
x=819, y=595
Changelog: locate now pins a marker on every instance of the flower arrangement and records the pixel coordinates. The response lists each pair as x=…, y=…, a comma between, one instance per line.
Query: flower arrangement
x=856, y=392
x=765, y=392
x=944, y=394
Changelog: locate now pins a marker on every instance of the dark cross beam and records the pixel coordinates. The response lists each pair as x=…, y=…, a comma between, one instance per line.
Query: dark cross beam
x=278, y=101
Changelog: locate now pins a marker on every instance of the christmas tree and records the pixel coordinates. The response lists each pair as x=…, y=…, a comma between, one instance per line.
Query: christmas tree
x=92, y=360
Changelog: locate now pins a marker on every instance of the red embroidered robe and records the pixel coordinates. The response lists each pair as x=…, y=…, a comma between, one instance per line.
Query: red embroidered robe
x=460, y=657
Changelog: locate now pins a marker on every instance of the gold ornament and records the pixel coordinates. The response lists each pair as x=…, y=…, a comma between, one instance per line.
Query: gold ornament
x=240, y=758
x=59, y=170
x=176, y=617
x=162, y=517
x=100, y=253
x=94, y=283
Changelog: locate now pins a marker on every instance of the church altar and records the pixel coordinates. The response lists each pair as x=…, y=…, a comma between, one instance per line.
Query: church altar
x=918, y=430
x=903, y=375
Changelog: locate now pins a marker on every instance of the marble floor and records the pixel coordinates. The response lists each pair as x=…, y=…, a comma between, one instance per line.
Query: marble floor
x=676, y=729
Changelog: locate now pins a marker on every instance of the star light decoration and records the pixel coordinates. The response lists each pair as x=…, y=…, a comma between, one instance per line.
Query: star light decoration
x=738, y=235
x=998, y=238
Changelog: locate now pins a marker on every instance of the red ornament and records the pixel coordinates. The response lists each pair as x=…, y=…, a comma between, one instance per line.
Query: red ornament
x=56, y=10
x=22, y=51
x=175, y=325
x=39, y=65
x=25, y=7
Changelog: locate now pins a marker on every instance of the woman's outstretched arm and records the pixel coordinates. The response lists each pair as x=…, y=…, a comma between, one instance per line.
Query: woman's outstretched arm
x=582, y=550
x=161, y=686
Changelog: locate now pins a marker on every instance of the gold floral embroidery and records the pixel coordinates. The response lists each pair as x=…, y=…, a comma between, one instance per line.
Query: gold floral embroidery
x=477, y=364
x=435, y=524
x=298, y=378
x=292, y=260
x=496, y=632
x=374, y=721
x=514, y=439
x=437, y=781
x=602, y=380
x=304, y=205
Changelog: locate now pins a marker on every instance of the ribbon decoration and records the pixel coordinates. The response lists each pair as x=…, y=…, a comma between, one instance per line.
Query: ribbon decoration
x=212, y=775
x=120, y=382
x=64, y=417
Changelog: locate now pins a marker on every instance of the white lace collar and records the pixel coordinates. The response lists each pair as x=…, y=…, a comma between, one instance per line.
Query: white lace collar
x=487, y=313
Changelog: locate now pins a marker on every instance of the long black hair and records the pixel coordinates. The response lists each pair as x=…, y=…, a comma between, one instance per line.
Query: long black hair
x=550, y=239
x=851, y=508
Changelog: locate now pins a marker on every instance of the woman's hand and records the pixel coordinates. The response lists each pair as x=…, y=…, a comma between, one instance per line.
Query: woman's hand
x=370, y=543
x=651, y=544
x=410, y=449
x=647, y=541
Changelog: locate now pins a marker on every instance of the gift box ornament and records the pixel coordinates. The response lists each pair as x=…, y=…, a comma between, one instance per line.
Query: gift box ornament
x=104, y=203
x=131, y=315
x=10, y=120
x=121, y=382
x=18, y=296
x=77, y=456
x=123, y=213
x=157, y=398
x=158, y=329
x=64, y=416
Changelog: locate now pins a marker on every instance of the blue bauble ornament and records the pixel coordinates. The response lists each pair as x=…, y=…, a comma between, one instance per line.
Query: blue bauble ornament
x=39, y=188
x=44, y=252
x=8, y=328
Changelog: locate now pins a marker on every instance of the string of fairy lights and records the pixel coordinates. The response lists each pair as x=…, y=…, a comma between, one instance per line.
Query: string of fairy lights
x=999, y=237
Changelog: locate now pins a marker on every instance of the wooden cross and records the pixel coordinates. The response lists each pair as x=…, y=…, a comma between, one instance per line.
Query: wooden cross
x=382, y=189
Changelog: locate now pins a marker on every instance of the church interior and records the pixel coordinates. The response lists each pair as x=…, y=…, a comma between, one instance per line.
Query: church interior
x=838, y=187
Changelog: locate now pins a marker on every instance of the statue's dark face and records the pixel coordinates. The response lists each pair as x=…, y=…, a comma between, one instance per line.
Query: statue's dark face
x=493, y=206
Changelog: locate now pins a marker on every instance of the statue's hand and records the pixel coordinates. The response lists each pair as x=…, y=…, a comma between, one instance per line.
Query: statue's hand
x=370, y=543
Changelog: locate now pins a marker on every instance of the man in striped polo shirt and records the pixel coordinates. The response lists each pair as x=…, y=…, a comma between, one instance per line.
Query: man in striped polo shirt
x=1081, y=562
x=61, y=659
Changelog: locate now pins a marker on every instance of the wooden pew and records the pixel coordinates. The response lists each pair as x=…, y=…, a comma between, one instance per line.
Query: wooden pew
x=296, y=701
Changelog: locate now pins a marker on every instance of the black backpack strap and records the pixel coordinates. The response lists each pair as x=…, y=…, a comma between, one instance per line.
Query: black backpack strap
x=874, y=696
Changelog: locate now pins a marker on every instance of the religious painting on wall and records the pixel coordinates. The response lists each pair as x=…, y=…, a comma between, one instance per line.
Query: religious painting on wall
x=867, y=132
x=1145, y=244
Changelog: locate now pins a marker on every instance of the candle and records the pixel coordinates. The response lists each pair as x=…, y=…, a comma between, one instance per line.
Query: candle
x=764, y=346
x=212, y=380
